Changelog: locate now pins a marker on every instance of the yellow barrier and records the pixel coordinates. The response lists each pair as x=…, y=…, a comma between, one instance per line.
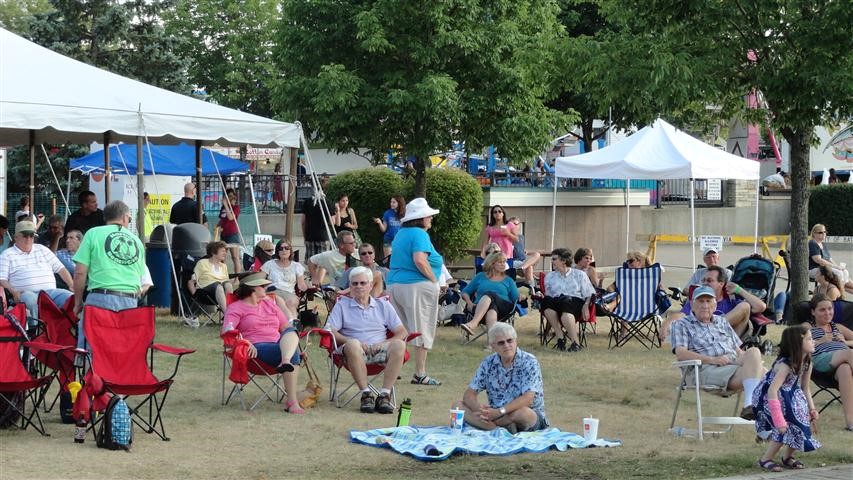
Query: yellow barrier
x=765, y=241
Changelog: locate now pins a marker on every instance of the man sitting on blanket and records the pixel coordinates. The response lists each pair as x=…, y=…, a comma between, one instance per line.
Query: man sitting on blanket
x=360, y=324
x=512, y=380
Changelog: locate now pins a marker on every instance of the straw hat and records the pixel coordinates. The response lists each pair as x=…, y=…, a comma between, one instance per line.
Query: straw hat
x=417, y=209
x=255, y=280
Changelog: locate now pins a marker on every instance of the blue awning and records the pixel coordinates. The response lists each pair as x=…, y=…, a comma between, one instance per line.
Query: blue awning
x=176, y=160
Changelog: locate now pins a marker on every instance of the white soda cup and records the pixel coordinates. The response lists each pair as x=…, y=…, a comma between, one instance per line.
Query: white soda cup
x=457, y=419
x=590, y=429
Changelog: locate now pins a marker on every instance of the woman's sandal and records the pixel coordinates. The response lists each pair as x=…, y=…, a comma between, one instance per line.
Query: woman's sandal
x=425, y=380
x=293, y=407
x=466, y=329
x=769, y=465
x=793, y=463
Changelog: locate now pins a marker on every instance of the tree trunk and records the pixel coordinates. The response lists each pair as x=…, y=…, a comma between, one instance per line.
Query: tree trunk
x=420, y=175
x=800, y=180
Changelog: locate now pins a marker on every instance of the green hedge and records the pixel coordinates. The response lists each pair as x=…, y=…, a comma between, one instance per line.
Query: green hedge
x=832, y=205
x=460, y=199
x=369, y=191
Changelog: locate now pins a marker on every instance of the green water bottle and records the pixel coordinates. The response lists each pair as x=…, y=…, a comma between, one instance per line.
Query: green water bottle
x=404, y=413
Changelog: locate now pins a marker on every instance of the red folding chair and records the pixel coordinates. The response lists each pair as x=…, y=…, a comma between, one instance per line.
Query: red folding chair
x=17, y=385
x=119, y=343
x=59, y=328
x=337, y=362
x=258, y=373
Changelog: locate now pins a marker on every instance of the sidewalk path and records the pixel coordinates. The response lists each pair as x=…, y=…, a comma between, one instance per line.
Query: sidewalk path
x=836, y=472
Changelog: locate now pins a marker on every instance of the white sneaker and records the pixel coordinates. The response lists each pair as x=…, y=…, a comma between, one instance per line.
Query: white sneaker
x=191, y=322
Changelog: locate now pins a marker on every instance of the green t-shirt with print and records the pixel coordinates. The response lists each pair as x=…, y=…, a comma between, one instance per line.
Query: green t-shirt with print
x=115, y=258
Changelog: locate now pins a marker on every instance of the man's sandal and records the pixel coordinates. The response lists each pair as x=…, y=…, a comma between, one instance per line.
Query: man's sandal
x=425, y=380
x=769, y=465
x=793, y=463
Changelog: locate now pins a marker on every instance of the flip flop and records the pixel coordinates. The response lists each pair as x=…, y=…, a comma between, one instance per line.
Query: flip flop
x=284, y=368
x=769, y=465
x=293, y=408
x=467, y=329
x=793, y=463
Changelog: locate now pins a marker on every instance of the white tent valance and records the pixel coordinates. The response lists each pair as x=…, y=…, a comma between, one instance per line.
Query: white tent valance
x=63, y=100
x=657, y=152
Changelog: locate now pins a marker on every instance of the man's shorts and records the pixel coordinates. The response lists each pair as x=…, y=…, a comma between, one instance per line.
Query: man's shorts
x=540, y=424
x=378, y=356
x=716, y=375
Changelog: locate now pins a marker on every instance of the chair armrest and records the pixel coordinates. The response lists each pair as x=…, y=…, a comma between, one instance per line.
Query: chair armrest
x=413, y=336
x=48, y=347
x=606, y=298
x=171, y=350
x=327, y=339
x=687, y=363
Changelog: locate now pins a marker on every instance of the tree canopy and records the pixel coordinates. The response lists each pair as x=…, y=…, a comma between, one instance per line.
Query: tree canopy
x=415, y=76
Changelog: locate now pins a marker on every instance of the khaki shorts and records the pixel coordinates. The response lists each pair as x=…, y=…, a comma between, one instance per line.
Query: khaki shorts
x=417, y=306
x=378, y=354
x=716, y=375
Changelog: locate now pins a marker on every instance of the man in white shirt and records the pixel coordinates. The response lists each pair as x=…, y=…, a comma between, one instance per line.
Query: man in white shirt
x=333, y=262
x=27, y=268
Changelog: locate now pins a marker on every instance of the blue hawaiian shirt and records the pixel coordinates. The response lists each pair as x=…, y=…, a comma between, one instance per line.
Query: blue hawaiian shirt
x=504, y=385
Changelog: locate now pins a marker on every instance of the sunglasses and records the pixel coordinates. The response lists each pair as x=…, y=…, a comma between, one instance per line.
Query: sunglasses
x=366, y=253
x=359, y=283
x=28, y=234
x=269, y=250
x=508, y=341
x=285, y=247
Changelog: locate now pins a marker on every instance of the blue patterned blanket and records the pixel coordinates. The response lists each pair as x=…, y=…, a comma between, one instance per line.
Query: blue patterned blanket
x=439, y=443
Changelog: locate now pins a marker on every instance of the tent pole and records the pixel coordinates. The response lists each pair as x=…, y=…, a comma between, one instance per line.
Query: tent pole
x=627, y=214
x=692, y=225
x=32, y=153
x=318, y=189
x=55, y=178
x=292, y=184
x=107, y=169
x=554, y=212
x=254, y=206
x=757, y=198
x=67, y=194
x=198, y=197
x=140, y=191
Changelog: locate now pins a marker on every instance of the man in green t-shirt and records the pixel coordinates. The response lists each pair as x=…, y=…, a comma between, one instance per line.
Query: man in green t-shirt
x=109, y=263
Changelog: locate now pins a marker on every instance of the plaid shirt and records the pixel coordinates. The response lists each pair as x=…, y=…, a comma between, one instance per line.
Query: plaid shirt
x=714, y=340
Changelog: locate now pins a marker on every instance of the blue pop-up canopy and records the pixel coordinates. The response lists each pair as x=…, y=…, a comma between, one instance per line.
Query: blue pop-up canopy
x=177, y=160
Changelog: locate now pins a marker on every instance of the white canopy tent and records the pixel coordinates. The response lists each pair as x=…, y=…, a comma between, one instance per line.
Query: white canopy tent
x=659, y=152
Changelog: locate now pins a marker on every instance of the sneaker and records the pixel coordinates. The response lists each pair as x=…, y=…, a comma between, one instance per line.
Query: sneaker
x=747, y=413
x=367, y=402
x=561, y=344
x=191, y=322
x=383, y=404
x=575, y=347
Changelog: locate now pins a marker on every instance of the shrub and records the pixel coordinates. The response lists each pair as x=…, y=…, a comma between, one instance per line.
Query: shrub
x=460, y=199
x=831, y=205
x=369, y=191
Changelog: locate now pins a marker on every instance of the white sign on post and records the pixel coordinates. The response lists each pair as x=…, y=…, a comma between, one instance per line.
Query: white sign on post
x=714, y=242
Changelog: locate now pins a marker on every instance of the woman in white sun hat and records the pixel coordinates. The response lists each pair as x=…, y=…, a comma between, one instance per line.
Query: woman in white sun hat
x=413, y=281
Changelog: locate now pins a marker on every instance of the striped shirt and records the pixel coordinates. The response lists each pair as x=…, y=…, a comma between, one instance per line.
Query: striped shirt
x=835, y=345
x=31, y=271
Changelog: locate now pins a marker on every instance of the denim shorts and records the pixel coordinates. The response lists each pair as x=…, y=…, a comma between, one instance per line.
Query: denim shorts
x=822, y=361
x=270, y=352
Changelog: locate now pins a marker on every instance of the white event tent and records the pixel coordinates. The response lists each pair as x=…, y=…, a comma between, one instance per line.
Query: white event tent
x=659, y=152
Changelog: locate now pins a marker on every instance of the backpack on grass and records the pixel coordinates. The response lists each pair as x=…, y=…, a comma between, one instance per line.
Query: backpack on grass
x=116, y=429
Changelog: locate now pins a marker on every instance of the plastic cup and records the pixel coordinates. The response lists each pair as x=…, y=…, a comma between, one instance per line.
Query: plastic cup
x=590, y=429
x=457, y=419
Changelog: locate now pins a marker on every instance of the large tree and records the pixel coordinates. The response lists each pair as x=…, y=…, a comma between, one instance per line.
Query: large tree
x=229, y=44
x=15, y=15
x=798, y=54
x=415, y=76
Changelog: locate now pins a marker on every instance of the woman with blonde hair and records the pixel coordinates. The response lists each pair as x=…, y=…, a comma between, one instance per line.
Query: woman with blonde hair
x=819, y=256
x=491, y=295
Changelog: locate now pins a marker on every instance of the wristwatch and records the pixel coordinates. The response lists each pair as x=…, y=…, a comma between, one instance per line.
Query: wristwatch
x=503, y=411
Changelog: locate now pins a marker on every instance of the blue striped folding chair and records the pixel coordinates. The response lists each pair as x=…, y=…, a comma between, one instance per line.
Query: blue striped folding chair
x=637, y=315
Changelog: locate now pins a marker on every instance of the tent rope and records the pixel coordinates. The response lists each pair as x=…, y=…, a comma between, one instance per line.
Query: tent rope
x=55, y=179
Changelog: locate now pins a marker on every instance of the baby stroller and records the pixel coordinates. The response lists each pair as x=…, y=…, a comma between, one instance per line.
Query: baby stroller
x=757, y=275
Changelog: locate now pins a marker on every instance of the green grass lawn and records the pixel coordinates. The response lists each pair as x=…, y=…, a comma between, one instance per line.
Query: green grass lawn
x=630, y=390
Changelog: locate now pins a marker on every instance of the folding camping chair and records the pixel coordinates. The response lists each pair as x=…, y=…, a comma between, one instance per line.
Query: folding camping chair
x=337, y=362
x=826, y=382
x=690, y=369
x=198, y=303
x=59, y=328
x=518, y=310
x=261, y=375
x=638, y=313
x=545, y=333
x=17, y=385
x=119, y=343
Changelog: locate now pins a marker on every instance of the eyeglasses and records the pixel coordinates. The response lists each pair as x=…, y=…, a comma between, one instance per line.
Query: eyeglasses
x=366, y=253
x=348, y=243
x=820, y=233
x=508, y=341
x=359, y=283
x=28, y=234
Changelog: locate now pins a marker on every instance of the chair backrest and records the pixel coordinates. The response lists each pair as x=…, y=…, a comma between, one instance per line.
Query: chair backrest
x=11, y=338
x=119, y=342
x=58, y=321
x=637, y=287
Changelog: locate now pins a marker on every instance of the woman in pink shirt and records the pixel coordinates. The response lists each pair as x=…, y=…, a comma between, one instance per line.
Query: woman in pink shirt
x=273, y=339
x=500, y=231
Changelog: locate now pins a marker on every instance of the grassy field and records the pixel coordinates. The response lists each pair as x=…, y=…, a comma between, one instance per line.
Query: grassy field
x=630, y=390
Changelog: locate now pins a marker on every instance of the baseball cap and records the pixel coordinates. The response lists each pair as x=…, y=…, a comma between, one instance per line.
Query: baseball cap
x=25, y=226
x=709, y=250
x=703, y=291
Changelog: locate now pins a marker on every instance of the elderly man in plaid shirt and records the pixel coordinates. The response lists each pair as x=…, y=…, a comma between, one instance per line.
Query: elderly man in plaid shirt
x=709, y=338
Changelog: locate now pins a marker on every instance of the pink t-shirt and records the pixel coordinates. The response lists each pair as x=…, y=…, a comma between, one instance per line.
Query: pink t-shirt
x=498, y=235
x=261, y=323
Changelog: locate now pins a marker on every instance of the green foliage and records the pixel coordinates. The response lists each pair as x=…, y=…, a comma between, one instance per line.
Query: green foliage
x=831, y=205
x=369, y=191
x=460, y=200
x=127, y=38
x=414, y=76
x=18, y=170
x=228, y=44
x=15, y=15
